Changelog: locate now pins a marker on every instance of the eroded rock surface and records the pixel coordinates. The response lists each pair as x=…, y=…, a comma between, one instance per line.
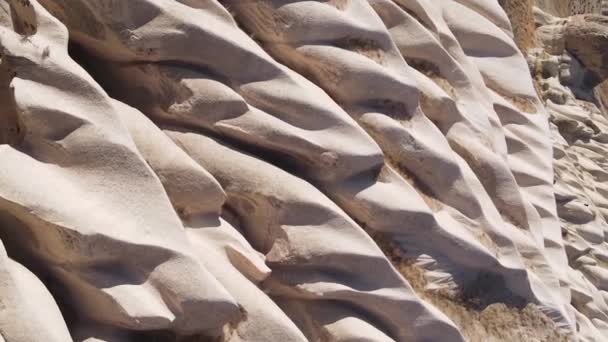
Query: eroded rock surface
x=274, y=170
x=570, y=76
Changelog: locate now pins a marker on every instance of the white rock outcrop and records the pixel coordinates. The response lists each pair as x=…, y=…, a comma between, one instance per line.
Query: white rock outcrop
x=579, y=125
x=296, y=170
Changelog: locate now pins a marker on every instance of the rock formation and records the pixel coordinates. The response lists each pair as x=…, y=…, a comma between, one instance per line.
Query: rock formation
x=566, y=8
x=296, y=170
x=570, y=72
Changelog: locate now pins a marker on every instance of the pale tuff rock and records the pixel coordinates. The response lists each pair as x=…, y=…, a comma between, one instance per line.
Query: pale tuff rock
x=272, y=170
x=565, y=8
x=574, y=98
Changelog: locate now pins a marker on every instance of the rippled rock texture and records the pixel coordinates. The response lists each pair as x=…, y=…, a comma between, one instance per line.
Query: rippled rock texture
x=571, y=77
x=286, y=170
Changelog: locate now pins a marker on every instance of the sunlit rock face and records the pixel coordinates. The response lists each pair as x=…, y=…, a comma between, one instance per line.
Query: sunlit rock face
x=564, y=8
x=570, y=72
x=285, y=170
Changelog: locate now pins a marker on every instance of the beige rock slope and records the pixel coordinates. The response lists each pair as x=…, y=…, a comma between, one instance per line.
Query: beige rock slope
x=565, y=8
x=286, y=170
x=570, y=73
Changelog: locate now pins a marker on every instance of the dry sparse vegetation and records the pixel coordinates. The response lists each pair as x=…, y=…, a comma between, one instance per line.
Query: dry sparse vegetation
x=478, y=319
x=431, y=71
x=364, y=47
x=423, y=190
x=522, y=103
